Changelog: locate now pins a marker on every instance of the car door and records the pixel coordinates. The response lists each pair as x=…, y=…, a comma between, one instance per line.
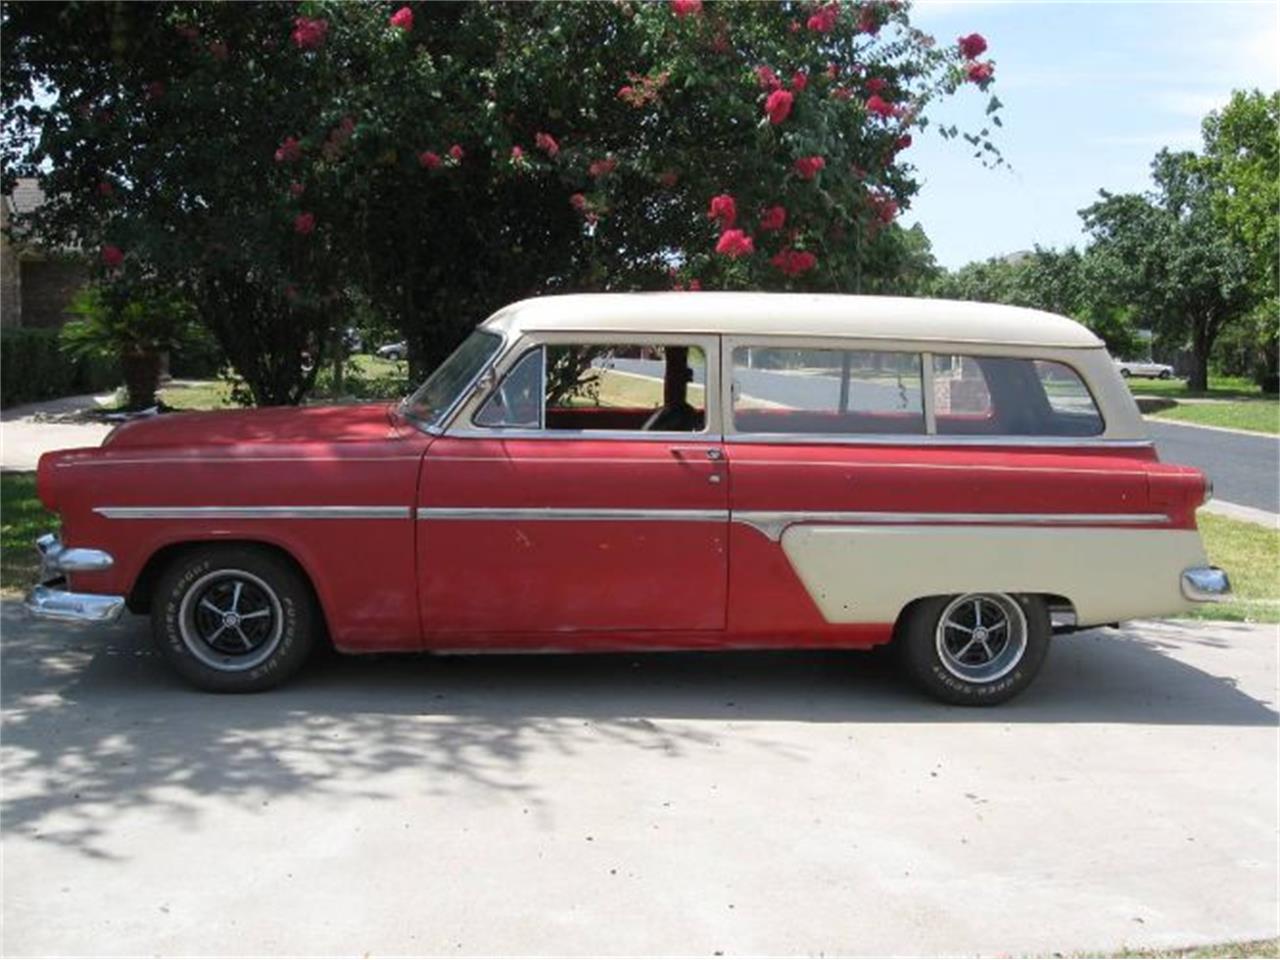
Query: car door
x=547, y=515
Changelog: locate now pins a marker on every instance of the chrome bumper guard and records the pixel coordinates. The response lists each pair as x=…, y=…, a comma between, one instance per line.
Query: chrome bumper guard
x=1206, y=584
x=47, y=602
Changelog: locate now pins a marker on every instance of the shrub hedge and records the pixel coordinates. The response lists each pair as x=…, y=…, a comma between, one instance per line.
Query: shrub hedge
x=33, y=367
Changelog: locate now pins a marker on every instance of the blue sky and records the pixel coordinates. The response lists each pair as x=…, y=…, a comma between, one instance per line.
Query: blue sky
x=1091, y=92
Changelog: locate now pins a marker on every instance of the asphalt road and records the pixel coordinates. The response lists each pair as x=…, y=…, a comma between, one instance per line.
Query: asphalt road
x=1245, y=469
x=780, y=803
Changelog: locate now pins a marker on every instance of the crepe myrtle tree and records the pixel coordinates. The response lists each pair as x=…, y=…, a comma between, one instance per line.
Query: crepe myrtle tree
x=446, y=158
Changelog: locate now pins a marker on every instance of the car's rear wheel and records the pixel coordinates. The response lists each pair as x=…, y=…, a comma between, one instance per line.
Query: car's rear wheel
x=1124, y=372
x=1166, y=374
x=233, y=619
x=975, y=649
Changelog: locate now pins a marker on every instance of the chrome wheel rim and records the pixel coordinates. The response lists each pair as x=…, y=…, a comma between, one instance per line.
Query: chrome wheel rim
x=981, y=636
x=231, y=620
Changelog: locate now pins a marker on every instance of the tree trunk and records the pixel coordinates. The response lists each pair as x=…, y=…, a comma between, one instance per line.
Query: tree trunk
x=141, y=369
x=1198, y=382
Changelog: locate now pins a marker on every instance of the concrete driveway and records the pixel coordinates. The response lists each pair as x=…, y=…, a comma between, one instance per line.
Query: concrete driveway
x=29, y=430
x=737, y=803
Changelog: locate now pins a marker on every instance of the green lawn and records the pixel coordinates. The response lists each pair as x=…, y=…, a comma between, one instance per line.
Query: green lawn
x=1261, y=416
x=1250, y=553
x=22, y=519
x=1222, y=388
x=1245, y=948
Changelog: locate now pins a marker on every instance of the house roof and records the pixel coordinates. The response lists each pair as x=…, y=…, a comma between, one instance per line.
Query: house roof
x=793, y=314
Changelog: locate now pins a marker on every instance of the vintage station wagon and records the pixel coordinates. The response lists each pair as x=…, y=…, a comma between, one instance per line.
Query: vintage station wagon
x=654, y=472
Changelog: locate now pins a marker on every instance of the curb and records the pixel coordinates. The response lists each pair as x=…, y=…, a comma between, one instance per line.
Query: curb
x=1236, y=511
x=1201, y=426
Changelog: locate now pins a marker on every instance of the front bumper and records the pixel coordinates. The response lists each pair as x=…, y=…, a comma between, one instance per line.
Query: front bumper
x=1206, y=584
x=48, y=601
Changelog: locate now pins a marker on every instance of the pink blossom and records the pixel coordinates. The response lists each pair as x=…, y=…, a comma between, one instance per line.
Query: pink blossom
x=309, y=33
x=517, y=153
x=304, y=223
x=768, y=79
x=456, y=153
x=429, y=159
x=778, y=106
x=824, y=19
x=578, y=201
x=799, y=81
x=112, y=256
x=297, y=189
x=547, y=144
x=402, y=19
x=773, y=219
x=686, y=8
x=972, y=46
x=735, y=243
x=603, y=167
x=724, y=210
x=808, y=167
x=289, y=151
x=880, y=107
x=794, y=262
x=875, y=84
x=981, y=73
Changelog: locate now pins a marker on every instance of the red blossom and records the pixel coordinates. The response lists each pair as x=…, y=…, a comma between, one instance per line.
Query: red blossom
x=724, y=210
x=981, y=73
x=695, y=285
x=218, y=50
x=833, y=71
x=902, y=142
x=768, y=79
x=875, y=84
x=686, y=8
x=578, y=201
x=799, y=81
x=429, y=159
x=824, y=18
x=296, y=189
x=794, y=262
x=517, y=153
x=456, y=153
x=972, y=46
x=735, y=243
x=773, y=218
x=304, y=223
x=105, y=188
x=808, y=167
x=880, y=107
x=601, y=168
x=778, y=106
x=885, y=207
x=402, y=19
x=547, y=144
x=868, y=22
x=842, y=93
x=289, y=151
x=112, y=256
x=309, y=32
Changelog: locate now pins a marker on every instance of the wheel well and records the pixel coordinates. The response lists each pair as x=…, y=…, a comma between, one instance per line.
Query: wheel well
x=139, y=599
x=1062, y=612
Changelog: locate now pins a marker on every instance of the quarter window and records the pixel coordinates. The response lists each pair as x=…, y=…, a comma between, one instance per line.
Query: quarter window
x=823, y=391
x=577, y=387
x=1011, y=396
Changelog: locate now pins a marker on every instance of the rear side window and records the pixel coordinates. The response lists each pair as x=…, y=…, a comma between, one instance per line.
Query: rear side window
x=1011, y=396
x=824, y=391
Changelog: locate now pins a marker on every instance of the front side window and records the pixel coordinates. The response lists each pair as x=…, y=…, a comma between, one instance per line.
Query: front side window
x=1011, y=396
x=577, y=387
x=440, y=391
x=825, y=391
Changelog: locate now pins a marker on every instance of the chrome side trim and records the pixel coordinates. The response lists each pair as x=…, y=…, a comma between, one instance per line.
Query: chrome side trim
x=773, y=523
x=47, y=603
x=571, y=513
x=254, y=513
x=930, y=440
x=1206, y=585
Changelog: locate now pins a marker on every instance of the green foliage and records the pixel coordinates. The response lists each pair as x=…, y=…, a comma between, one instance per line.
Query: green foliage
x=33, y=367
x=22, y=519
x=282, y=167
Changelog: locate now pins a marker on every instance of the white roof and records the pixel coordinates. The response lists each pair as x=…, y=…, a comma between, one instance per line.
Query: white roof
x=793, y=314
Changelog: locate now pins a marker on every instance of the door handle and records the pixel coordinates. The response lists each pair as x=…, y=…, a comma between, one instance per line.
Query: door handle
x=692, y=453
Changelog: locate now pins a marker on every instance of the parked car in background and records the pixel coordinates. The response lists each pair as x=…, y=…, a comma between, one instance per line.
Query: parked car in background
x=653, y=472
x=1144, y=368
x=394, y=351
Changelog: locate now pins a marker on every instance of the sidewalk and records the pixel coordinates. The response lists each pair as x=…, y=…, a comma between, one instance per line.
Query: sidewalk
x=31, y=429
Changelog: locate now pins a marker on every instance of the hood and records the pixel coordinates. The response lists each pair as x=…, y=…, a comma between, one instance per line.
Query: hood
x=346, y=424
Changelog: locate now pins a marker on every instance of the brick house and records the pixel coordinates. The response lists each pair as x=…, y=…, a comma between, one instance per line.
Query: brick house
x=36, y=286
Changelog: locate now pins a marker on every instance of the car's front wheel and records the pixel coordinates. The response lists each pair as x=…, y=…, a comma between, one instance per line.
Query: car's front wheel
x=1124, y=372
x=233, y=619
x=975, y=649
x=1166, y=374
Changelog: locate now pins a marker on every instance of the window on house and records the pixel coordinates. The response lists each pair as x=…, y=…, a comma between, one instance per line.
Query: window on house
x=1011, y=396
x=825, y=391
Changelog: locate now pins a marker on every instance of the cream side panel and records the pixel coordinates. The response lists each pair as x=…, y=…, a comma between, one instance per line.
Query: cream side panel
x=867, y=574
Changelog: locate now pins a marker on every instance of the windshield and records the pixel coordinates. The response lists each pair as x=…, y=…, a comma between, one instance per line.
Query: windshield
x=431, y=401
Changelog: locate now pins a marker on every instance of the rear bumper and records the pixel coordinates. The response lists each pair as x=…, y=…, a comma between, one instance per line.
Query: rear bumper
x=1206, y=584
x=48, y=601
